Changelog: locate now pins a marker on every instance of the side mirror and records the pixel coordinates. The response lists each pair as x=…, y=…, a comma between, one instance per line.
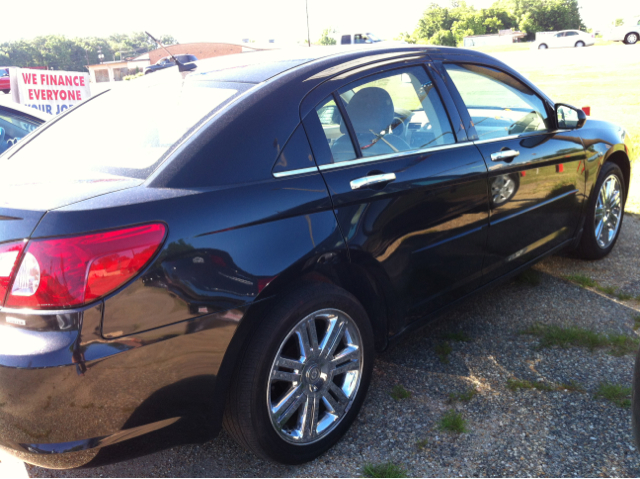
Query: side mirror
x=569, y=117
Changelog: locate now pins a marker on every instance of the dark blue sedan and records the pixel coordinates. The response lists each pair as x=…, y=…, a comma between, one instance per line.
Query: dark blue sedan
x=231, y=245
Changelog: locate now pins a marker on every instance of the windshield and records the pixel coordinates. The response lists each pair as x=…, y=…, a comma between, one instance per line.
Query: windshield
x=125, y=132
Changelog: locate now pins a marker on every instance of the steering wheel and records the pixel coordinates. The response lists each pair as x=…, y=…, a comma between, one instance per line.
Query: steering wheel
x=526, y=123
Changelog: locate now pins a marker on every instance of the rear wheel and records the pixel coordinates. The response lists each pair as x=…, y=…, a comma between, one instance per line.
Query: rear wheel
x=604, y=214
x=631, y=38
x=579, y=44
x=6, y=92
x=303, y=376
x=542, y=46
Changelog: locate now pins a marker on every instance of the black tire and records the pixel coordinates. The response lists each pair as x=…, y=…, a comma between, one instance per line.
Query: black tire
x=631, y=38
x=247, y=417
x=542, y=46
x=588, y=247
x=579, y=44
x=6, y=92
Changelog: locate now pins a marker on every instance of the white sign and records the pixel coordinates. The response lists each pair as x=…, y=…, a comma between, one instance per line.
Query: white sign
x=50, y=91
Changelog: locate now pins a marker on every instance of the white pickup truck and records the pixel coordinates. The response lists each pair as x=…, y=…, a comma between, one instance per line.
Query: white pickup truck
x=628, y=32
x=362, y=38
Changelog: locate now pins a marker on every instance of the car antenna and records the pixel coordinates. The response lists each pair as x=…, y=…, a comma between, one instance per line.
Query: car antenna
x=182, y=67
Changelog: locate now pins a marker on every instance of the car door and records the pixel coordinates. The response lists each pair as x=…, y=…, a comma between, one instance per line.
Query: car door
x=570, y=39
x=409, y=192
x=557, y=40
x=536, y=172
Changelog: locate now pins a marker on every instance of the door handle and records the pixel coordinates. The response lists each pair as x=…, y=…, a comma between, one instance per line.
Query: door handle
x=372, y=180
x=504, y=155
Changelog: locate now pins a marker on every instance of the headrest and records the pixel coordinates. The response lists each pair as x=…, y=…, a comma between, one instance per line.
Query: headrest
x=370, y=109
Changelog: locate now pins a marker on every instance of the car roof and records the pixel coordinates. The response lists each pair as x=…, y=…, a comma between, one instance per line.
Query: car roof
x=259, y=66
x=40, y=115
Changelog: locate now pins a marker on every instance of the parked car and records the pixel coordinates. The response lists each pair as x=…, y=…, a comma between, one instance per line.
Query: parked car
x=628, y=32
x=5, y=83
x=167, y=62
x=358, y=38
x=16, y=122
x=238, y=252
x=563, y=39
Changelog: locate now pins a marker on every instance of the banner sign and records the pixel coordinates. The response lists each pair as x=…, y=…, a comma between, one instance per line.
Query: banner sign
x=50, y=91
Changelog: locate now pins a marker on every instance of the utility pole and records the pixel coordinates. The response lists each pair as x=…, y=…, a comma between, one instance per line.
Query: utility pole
x=308, y=36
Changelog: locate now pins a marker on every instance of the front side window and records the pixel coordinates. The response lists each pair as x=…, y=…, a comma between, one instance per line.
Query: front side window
x=499, y=104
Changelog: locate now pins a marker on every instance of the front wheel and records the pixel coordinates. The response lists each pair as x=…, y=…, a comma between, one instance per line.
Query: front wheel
x=631, y=38
x=542, y=47
x=303, y=376
x=604, y=214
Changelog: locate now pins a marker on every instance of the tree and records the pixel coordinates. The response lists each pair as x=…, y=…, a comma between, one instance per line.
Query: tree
x=544, y=15
x=460, y=20
x=326, y=38
x=73, y=54
x=443, y=37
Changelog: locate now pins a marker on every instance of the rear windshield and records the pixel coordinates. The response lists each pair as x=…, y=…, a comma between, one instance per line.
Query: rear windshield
x=129, y=130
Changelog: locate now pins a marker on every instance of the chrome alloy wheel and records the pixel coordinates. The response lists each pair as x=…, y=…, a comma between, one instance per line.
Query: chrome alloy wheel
x=502, y=189
x=608, y=211
x=315, y=376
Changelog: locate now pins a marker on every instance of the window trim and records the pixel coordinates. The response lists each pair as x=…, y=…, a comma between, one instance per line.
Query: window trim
x=392, y=156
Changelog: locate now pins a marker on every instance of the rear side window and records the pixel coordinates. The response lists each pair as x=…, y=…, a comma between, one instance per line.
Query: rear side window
x=499, y=104
x=391, y=112
x=335, y=131
x=346, y=39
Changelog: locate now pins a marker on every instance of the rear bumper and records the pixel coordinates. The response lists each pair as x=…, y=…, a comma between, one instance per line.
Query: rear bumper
x=69, y=399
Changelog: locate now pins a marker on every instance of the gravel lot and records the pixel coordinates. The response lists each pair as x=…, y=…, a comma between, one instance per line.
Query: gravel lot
x=526, y=432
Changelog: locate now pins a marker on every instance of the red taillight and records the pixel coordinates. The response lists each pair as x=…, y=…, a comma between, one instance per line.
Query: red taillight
x=9, y=254
x=66, y=272
x=586, y=110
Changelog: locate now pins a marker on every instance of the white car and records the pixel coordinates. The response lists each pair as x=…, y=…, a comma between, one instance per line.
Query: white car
x=563, y=39
x=628, y=32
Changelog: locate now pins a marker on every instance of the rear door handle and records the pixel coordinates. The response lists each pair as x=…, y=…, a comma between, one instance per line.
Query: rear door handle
x=504, y=155
x=372, y=180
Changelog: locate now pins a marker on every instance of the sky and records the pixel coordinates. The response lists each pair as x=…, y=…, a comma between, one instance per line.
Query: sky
x=214, y=20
